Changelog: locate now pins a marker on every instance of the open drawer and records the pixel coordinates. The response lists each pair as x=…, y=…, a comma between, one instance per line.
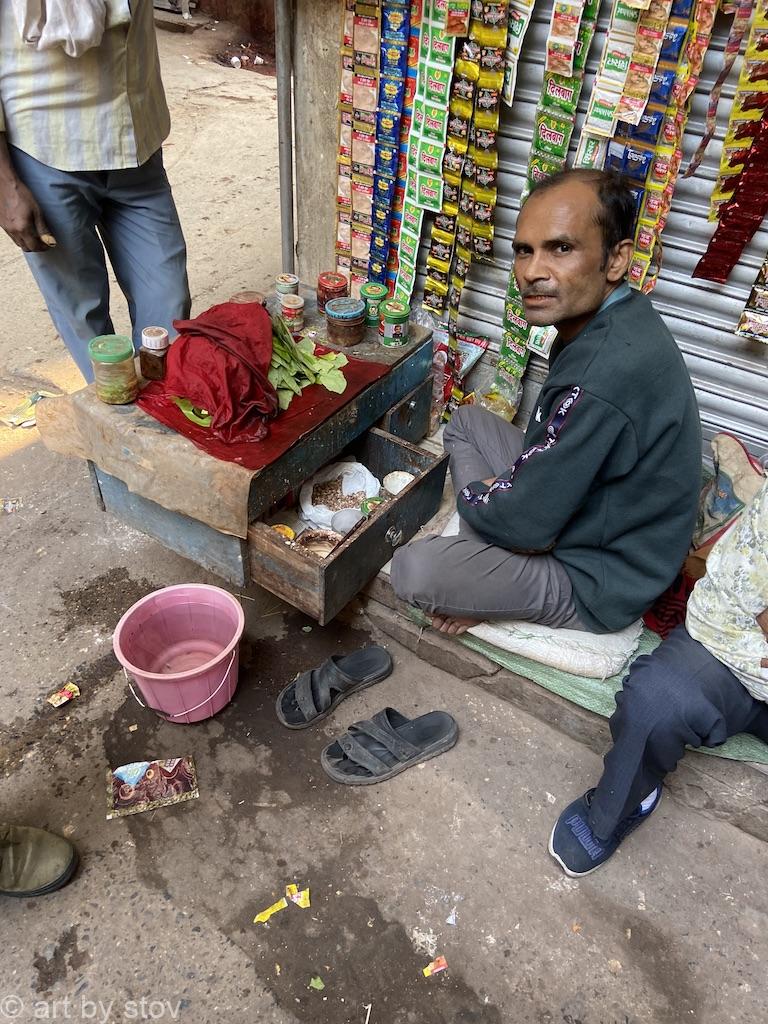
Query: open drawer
x=322, y=587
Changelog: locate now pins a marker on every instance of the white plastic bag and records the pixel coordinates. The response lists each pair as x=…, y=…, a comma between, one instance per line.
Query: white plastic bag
x=354, y=477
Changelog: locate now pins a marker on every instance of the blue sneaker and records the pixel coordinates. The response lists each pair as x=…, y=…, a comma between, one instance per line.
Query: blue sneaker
x=577, y=849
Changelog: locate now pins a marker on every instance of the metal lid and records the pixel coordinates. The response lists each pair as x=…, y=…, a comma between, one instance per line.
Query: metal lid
x=287, y=279
x=110, y=348
x=291, y=302
x=155, y=338
x=330, y=279
x=373, y=290
x=394, y=309
x=345, y=309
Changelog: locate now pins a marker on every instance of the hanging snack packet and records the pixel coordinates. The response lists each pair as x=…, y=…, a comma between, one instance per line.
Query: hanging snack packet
x=552, y=133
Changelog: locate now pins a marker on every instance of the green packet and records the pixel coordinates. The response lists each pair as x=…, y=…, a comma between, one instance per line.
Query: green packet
x=560, y=93
x=552, y=132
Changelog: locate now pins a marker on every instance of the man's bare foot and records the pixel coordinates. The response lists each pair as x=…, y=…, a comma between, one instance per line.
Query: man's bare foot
x=453, y=626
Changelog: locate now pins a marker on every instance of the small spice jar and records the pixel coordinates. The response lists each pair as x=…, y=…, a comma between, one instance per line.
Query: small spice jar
x=373, y=293
x=114, y=370
x=245, y=297
x=393, y=322
x=154, y=349
x=287, y=284
x=292, y=312
x=346, y=321
x=330, y=285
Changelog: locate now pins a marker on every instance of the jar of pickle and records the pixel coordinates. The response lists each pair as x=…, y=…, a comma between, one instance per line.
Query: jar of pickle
x=114, y=369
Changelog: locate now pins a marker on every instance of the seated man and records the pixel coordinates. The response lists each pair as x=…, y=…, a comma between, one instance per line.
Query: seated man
x=706, y=682
x=584, y=520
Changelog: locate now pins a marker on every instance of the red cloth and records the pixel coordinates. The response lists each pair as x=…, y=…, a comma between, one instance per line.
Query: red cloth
x=306, y=411
x=220, y=362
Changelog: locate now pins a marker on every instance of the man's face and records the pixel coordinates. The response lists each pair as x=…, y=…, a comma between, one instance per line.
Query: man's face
x=559, y=258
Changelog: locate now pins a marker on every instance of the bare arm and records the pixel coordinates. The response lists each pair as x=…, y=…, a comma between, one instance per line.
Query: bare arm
x=20, y=216
x=762, y=621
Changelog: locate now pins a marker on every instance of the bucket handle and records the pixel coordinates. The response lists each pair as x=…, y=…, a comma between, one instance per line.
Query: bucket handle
x=187, y=711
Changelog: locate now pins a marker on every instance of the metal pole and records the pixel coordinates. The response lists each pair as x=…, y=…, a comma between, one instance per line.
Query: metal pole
x=283, y=33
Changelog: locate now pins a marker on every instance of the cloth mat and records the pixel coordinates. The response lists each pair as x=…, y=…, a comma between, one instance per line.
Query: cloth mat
x=305, y=412
x=598, y=694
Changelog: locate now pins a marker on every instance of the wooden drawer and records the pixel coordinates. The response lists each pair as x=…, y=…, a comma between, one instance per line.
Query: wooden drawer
x=409, y=419
x=323, y=588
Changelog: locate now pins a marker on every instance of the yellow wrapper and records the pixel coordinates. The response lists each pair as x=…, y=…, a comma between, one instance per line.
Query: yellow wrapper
x=265, y=915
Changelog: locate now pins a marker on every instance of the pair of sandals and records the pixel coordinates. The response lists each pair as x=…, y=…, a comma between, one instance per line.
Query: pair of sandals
x=377, y=748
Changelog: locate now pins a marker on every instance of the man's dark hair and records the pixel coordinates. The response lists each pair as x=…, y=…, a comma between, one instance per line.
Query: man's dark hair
x=616, y=211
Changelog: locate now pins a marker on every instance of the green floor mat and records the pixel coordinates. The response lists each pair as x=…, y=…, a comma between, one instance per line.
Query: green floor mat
x=598, y=694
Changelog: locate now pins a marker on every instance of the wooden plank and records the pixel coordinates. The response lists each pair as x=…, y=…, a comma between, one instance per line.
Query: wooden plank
x=409, y=419
x=217, y=552
x=284, y=571
x=332, y=436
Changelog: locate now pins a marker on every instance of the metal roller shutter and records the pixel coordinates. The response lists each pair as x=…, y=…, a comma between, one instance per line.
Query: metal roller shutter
x=730, y=373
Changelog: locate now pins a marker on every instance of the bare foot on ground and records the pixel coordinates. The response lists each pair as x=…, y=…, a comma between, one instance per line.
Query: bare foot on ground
x=453, y=626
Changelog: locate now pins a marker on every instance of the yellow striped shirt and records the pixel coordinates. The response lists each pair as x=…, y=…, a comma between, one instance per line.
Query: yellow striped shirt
x=102, y=111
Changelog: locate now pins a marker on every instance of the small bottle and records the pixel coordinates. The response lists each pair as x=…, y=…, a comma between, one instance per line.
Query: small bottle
x=154, y=349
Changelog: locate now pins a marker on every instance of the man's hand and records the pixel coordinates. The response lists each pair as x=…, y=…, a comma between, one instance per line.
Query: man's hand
x=762, y=621
x=21, y=218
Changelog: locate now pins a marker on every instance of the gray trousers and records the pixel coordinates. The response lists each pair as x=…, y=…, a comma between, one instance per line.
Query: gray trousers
x=679, y=695
x=465, y=576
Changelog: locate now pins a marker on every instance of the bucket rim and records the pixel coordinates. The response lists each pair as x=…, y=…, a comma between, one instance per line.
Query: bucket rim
x=170, y=677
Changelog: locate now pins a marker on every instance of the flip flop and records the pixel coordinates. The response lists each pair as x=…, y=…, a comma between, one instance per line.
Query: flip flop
x=381, y=747
x=313, y=695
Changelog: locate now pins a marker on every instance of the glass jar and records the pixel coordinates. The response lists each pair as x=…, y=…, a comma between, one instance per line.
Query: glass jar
x=292, y=312
x=345, y=319
x=330, y=285
x=114, y=369
x=287, y=284
x=154, y=349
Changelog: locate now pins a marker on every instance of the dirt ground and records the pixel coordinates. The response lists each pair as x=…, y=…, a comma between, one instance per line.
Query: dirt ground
x=449, y=858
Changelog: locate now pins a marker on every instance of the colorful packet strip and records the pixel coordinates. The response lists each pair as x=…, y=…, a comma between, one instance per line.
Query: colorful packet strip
x=753, y=322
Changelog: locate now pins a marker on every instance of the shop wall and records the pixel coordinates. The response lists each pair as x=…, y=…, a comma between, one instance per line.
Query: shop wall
x=317, y=32
x=254, y=16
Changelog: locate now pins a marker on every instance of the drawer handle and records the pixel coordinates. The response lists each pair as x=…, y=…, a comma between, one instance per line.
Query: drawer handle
x=394, y=536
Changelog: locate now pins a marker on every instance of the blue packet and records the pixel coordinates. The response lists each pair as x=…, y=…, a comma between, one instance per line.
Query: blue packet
x=380, y=245
x=388, y=127
x=391, y=93
x=381, y=217
x=396, y=23
x=649, y=128
x=674, y=37
x=383, y=190
x=614, y=159
x=377, y=269
x=386, y=160
x=681, y=9
x=394, y=58
x=661, y=86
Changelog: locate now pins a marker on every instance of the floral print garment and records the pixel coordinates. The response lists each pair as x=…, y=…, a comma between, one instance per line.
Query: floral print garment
x=723, y=607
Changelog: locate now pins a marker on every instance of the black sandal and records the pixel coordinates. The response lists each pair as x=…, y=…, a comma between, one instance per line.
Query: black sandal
x=313, y=695
x=381, y=747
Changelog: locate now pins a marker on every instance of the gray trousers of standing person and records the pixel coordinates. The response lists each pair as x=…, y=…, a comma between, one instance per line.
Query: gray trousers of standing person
x=465, y=576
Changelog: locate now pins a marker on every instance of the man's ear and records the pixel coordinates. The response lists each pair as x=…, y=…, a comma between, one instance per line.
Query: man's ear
x=619, y=260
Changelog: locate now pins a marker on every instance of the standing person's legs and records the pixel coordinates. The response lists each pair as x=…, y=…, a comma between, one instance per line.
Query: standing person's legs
x=143, y=237
x=463, y=580
x=72, y=277
x=679, y=696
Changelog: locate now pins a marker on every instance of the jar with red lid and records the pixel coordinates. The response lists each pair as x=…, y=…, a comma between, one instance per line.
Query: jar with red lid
x=330, y=285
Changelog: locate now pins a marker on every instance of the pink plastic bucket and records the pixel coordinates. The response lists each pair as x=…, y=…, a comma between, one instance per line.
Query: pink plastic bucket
x=181, y=646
